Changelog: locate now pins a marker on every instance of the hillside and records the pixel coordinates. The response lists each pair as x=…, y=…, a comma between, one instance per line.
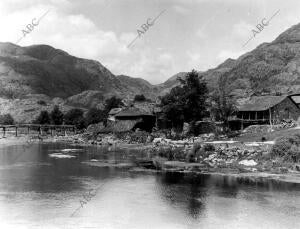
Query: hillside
x=51, y=73
x=41, y=69
x=271, y=68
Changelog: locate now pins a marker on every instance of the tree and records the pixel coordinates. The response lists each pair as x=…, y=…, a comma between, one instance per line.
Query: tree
x=140, y=98
x=172, y=106
x=6, y=119
x=43, y=118
x=75, y=117
x=186, y=102
x=222, y=102
x=111, y=103
x=95, y=115
x=57, y=117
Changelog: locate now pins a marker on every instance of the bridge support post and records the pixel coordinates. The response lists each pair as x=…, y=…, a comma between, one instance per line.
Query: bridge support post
x=16, y=131
x=4, y=129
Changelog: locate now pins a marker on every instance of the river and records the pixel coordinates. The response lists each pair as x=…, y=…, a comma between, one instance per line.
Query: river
x=48, y=186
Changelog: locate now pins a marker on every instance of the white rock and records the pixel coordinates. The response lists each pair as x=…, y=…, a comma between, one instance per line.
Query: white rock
x=60, y=155
x=248, y=162
x=157, y=140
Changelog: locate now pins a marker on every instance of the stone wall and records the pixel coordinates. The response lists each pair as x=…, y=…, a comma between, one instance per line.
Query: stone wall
x=285, y=110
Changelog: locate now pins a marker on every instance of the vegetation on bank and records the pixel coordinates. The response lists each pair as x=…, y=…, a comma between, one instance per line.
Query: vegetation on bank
x=77, y=116
x=6, y=119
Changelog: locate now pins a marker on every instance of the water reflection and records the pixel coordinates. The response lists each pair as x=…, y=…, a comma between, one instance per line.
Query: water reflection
x=34, y=185
x=192, y=192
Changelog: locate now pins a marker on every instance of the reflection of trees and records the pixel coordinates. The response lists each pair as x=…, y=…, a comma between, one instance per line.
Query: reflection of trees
x=188, y=192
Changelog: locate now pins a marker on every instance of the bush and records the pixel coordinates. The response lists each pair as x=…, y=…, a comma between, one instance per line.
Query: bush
x=75, y=117
x=6, y=119
x=287, y=148
x=199, y=151
x=196, y=151
x=209, y=147
x=140, y=98
x=170, y=153
x=43, y=118
x=42, y=102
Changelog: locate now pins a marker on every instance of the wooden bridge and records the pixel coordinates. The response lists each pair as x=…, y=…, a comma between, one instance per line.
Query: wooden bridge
x=36, y=127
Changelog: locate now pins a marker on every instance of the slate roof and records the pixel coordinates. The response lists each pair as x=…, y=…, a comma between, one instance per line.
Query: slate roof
x=120, y=126
x=132, y=112
x=261, y=103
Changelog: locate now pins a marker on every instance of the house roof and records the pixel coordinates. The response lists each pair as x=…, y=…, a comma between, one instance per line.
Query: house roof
x=260, y=103
x=132, y=112
x=120, y=126
x=296, y=98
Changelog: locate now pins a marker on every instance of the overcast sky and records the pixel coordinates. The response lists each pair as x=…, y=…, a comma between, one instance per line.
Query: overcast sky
x=190, y=34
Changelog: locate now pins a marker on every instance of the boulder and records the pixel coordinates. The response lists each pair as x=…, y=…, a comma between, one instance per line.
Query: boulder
x=248, y=163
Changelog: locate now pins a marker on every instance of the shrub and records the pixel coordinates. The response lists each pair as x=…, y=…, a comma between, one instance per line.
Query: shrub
x=140, y=98
x=6, y=119
x=196, y=147
x=171, y=153
x=287, y=148
x=43, y=118
x=209, y=147
x=199, y=151
x=42, y=102
x=196, y=151
x=75, y=117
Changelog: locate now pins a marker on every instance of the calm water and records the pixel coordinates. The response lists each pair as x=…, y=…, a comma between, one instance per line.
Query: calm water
x=38, y=190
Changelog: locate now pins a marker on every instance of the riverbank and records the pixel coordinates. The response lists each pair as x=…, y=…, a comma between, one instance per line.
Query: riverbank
x=222, y=158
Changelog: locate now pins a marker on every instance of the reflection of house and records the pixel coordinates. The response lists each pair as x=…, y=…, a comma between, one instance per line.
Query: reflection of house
x=263, y=110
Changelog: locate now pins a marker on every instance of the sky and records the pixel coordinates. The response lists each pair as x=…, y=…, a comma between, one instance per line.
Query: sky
x=188, y=34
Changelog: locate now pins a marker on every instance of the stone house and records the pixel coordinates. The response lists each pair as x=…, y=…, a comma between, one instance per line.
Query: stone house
x=264, y=110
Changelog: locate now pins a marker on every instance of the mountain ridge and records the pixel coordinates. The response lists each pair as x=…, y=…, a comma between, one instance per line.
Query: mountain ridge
x=269, y=69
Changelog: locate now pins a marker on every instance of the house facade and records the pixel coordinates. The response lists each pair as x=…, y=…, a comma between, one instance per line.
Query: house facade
x=264, y=110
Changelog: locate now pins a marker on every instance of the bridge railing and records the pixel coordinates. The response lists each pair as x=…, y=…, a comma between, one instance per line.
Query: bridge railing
x=37, y=127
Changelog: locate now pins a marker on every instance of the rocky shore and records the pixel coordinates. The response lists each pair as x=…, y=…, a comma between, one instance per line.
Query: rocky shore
x=192, y=155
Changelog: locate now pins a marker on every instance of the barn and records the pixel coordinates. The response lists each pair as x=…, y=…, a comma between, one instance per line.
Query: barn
x=264, y=110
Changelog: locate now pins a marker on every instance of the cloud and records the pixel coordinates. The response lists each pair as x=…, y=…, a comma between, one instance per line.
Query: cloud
x=181, y=10
x=80, y=36
x=242, y=30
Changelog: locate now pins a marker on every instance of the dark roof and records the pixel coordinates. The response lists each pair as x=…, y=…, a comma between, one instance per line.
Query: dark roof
x=120, y=126
x=132, y=112
x=261, y=103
